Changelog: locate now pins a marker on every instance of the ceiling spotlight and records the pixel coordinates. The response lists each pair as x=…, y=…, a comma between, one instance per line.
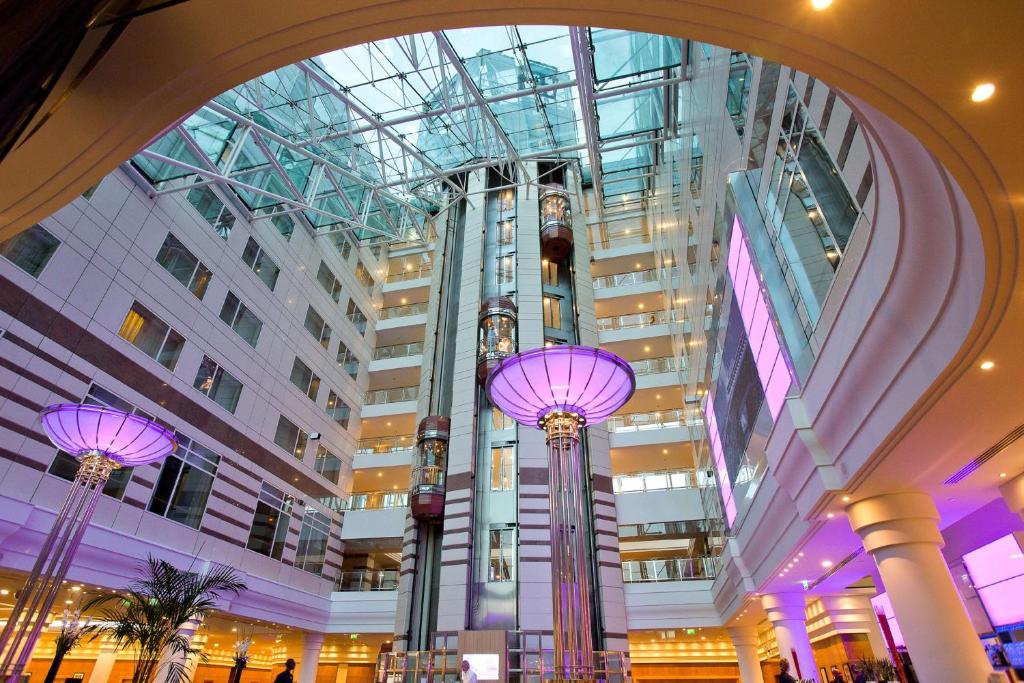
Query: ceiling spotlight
x=4, y=591
x=982, y=92
x=1002, y=475
x=830, y=515
x=826, y=563
x=821, y=4
x=846, y=499
x=987, y=365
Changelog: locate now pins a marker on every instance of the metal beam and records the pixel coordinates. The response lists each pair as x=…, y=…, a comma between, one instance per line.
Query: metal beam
x=583, y=61
x=470, y=85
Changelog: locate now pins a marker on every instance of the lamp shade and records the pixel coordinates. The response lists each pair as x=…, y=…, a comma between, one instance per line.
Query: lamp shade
x=590, y=382
x=129, y=440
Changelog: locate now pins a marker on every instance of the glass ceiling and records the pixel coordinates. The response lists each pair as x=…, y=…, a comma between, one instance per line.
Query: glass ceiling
x=368, y=139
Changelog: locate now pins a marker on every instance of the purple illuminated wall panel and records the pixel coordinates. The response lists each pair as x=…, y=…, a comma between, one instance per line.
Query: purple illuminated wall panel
x=772, y=369
x=883, y=610
x=997, y=573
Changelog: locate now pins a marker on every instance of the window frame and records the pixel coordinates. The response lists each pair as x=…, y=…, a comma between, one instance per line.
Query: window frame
x=216, y=381
x=159, y=356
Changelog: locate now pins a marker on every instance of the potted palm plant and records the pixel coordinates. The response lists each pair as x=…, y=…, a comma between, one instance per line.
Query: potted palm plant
x=241, y=658
x=878, y=670
x=148, y=616
x=72, y=629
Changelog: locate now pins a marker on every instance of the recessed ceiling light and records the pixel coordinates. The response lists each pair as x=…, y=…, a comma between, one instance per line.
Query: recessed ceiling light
x=987, y=365
x=830, y=515
x=640, y=306
x=982, y=92
x=664, y=451
x=846, y=499
x=657, y=397
x=800, y=554
x=4, y=591
x=380, y=474
x=647, y=349
x=821, y=4
x=826, y=563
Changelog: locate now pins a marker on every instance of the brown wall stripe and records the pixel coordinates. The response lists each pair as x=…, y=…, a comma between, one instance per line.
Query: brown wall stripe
x=22, y=460
x=602, y=483
x=18, y=428
x=37, y=379
x=135, y=503
x=454, y=563
x=49, y=322
x=52, y=360
x=457, y=482
x=21, y=400
x=227, y=518
x=533, y=475
x=231, y=501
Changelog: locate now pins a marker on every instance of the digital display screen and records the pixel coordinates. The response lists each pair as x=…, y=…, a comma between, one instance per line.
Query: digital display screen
x=487, y=667
x=997, y=572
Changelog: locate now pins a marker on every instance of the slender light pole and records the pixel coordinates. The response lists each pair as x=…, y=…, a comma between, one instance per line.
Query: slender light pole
x=560, y=389
x=102, y=439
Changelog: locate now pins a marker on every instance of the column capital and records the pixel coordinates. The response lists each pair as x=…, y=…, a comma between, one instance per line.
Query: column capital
x=1013, y=493
x=893, y=519
x=742, y=635
x=785, y=606
x=311, y=639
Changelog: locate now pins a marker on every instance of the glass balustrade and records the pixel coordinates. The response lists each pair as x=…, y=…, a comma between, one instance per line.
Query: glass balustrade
x=640, y=482
x=652, y=366
x=621, y=240
x=378, y=500
x=391, y=395
x=385, y=444
x=672, y=569
x=404, y=310
x=660, y=419
x=398, y=351
x=414, y=274
x=622, y=322
x=622, y=279
x=367, y=580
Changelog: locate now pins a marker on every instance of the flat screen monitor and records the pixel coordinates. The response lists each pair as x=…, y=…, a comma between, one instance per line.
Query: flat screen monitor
x=997, y=573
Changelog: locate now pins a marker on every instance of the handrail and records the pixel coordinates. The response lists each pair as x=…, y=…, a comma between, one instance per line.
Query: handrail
x=385, y=444
x=403, y=310
x=367, y=580
x=664, y=480
x=378, y=500
x=398, y=351
x=391, y=395
x=631, y=320
x=659, y=419
x=621, y=241
x=670, y=569
x=651, y=366
x=621, y=279
x=414, y=274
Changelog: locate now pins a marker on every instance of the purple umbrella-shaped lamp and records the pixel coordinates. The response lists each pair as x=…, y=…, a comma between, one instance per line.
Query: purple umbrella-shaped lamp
x=102, y=439
x=560, y=389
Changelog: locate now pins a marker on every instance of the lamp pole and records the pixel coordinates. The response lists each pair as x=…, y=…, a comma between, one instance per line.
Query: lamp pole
x=103, y=440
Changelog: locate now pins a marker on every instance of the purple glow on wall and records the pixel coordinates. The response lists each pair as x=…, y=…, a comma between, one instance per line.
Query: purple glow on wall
x=591, y=382
x=129, y=440
x=715, y=441
x=997, y=573
x=772, y=368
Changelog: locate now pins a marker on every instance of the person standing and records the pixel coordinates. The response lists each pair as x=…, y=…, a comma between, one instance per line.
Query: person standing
x=837, y=676
x=784, y=675
x=286, y=676
x=466, y=676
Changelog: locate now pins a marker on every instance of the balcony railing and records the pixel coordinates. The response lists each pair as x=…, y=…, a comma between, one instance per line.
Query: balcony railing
x=623, y=322
x=391, y=395
x=659, y=419
x=641, y=482
x=398, y=351
x=414, y=274
x=652, y=366
x=385, y=444
x=378, y=500
x=621, y=240
x=368, y=580
x=637, y=277
x=673, y=569
x=404, y=310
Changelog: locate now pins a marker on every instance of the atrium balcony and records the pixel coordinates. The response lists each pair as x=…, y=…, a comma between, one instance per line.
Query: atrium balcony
x=654, y=373
x=674, y=502
x=633, y=326
x=376, y=515
x=670, y=593
x=408, y=280
x=629, y=284
x=654, y=427
x=384, y=451
x=402, y=316
x=362, y=611
x=388, y=402
x=628, y=242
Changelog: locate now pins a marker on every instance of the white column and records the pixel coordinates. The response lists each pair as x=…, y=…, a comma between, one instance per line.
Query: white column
x=788, y=614
x=901, y=532
x=188, y=629
x=307, y=666
x=744, y=639
x=104, y=662
x=1013, y=494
